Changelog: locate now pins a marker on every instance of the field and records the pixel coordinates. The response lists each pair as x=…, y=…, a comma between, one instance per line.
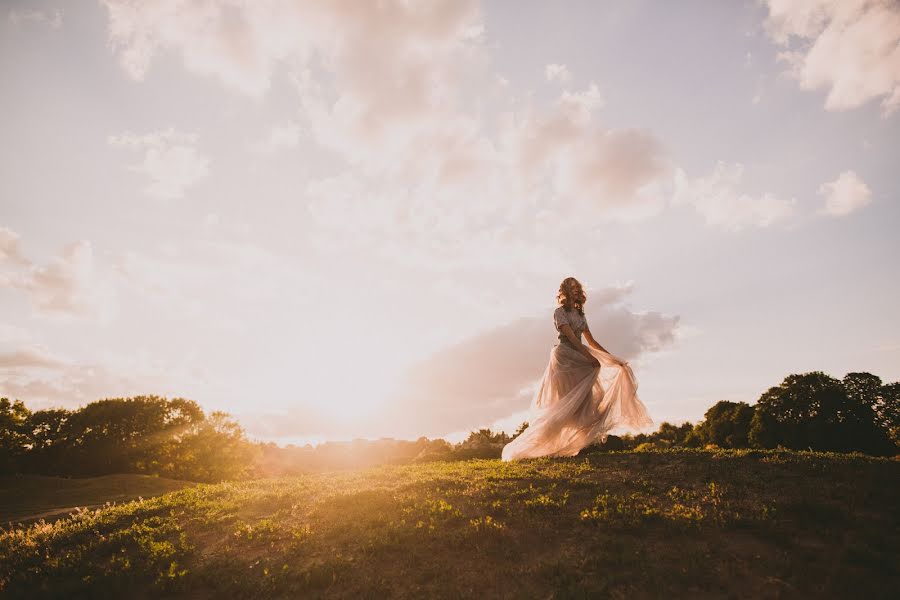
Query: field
x=32, y=497
x=699, y=523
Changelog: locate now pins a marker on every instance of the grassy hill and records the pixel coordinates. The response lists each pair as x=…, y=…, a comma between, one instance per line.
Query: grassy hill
x=31, y=497
x=624, y=524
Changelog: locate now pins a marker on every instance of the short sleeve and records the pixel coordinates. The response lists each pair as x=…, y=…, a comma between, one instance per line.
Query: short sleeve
x=560, y=318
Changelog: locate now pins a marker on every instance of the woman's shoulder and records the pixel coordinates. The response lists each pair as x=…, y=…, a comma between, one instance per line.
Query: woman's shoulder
x=563, y=309
x=560, y=312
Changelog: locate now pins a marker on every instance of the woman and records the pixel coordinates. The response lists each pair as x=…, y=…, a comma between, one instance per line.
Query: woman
x=574, y=406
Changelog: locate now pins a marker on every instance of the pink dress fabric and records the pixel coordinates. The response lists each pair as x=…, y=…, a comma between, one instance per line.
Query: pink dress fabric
x=578, y=402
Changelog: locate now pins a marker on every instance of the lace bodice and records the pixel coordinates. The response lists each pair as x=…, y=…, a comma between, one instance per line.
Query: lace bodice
x=572, y=318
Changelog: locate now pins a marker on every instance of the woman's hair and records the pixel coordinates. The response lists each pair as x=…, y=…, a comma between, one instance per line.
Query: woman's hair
x=571, y=295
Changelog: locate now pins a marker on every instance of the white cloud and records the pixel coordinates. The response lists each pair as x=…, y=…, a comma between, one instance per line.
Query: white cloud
x=9, y=247
x=439, y=158
x=53, y=19
x=844, y=195
x=717, y=197
x=586, y=101
x=13, y=335
x=280, y=137
x=32, y=357
x=242, y=42
x=69, y=285
x=585, y=168
x=849, y=47
x=555, y=72
x=59, y=383
x=171, y=160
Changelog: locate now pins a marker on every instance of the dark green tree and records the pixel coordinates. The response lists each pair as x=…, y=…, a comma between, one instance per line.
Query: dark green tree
x=815, y=411
x=888, y=411
x=670, y=434
x=883, y=399
x=13, y=442
x=725, y=424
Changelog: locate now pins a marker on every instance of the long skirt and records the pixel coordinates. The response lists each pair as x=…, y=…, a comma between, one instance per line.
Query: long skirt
x=577, y=403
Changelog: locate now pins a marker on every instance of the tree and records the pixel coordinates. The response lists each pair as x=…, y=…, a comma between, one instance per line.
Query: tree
x=670, y=434
x=522, y=427
x=815, y=411
x=13, y=442
x=485, y=437
x=120, y=435
x=214, y=450
x=888, y=411
x=883, y=399
x=725, y=424
x=47, y=438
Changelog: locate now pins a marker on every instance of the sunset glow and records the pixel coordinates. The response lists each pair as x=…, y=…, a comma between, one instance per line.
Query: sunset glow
x=350, y=219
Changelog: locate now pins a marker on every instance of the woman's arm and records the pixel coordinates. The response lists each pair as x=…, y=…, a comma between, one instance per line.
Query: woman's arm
x=594, y=343
x=567, y=331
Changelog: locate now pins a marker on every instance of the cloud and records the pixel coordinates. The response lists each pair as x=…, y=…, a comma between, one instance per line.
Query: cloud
x=555, y=72
x=53, y=19
x=584, y=101
x=492, y=375
x=68, y=285
x=717, y=197
x=437, y=152
x=42, y=378
x=171, y=160
x=9, y=247
x=849, y=47
x=280, y=137
x=404, y=122
x=70, y=385
x=384, y=53
x=13, y=335
x=602, y=173
x=29, y=357
x=844, y=195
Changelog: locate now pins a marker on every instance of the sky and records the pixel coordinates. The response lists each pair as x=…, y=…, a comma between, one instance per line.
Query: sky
x=350, y=219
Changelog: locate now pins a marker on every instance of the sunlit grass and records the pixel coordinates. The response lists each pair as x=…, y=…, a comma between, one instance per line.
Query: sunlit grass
x=757, y=523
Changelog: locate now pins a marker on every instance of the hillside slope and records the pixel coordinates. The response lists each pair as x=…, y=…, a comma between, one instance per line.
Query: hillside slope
x=624, y=524
x=32, y=497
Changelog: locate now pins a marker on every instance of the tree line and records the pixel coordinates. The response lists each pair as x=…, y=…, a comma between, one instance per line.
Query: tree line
x=145, y=434
x=809, y=411
x=175, y=438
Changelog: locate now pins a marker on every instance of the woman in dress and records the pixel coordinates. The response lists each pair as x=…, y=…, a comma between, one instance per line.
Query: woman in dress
x=576, y=405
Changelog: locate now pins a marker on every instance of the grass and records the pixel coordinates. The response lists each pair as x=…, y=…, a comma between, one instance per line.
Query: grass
x=32, y=497
x=741, y=524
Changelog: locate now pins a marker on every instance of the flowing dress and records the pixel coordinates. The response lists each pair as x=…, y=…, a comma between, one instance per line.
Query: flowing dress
x=578, y=402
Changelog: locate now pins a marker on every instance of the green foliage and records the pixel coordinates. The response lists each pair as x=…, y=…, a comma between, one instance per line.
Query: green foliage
x=819, y=412
x=143, y=434
x=807, y=411
x=726, y=424
x=13, y=416
x=666, y=436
